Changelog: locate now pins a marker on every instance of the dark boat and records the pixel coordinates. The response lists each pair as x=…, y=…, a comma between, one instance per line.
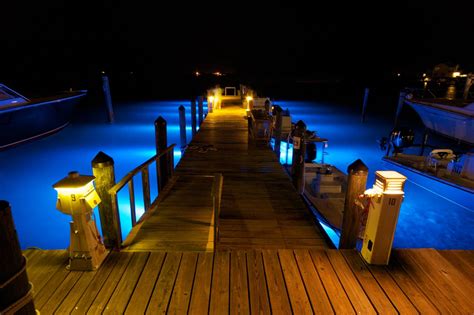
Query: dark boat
x=23, y=119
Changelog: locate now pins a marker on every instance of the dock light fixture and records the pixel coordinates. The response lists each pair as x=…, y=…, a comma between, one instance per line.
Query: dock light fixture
x=383, y=202
x=456, y=74
x=248, y=98
x=77, y=197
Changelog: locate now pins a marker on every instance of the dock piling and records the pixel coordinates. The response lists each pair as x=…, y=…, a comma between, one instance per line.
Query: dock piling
x=356, y=184
x=108, y=98
x=15, y=291
x=364, y=104
x=401, y=101
x=182, y=126
x=277, y=131
x=193, y=116
x=104, y=172
x=200, y=111
x=299, y=150
x=161, y=142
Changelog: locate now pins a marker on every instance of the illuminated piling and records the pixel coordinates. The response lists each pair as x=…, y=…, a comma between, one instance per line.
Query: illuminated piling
x=108, y=98
x=200, y=111
x=277, y=131
x=356, y=184
x=401, y=101
x=193, y=116
x=299, y=148
x=182, y=126
x=161, y=142
x=16, y=293
x=364, y=104
x=104, y=172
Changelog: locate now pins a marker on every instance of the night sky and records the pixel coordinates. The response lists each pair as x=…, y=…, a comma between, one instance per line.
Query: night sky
x=47, y=39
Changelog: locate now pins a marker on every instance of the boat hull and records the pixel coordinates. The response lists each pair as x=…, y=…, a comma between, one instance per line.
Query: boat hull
x=36, y=119
x=455, y=124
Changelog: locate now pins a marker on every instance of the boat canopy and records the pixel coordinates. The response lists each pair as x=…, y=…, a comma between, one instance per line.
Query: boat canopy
x=10, y=97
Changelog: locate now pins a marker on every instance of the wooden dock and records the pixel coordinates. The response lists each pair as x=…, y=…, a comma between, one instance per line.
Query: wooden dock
x=270, y=257
x=256, y=282
x=260, y=209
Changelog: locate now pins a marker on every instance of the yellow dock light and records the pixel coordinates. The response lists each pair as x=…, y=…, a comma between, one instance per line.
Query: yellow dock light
x=456, y=74
x=248, y=98
x=384, y=199
x=77, y=197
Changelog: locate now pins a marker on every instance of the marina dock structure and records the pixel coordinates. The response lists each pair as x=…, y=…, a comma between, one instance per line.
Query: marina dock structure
x=230, y=234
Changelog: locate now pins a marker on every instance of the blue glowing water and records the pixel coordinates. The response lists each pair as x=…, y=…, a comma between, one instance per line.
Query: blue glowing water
x=432, y=214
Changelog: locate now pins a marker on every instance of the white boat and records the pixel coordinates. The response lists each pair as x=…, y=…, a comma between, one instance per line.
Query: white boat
x=452, y=118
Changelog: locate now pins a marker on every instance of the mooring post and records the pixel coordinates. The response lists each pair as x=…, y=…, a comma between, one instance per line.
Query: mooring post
x=299, y=148
x=364, y=104
x=401, y=101
x=182, y=126
x=108, y=98
x=356, y=184
x=16, y=296
x=200, y=111
x=424, y=142
x=104, y=172
x=467, y=86
x=161, y=142
x=193, y=116
x=277, y=131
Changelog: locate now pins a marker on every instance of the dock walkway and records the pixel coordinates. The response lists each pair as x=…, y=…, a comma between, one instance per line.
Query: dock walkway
x=256, y=282
x=260, y=209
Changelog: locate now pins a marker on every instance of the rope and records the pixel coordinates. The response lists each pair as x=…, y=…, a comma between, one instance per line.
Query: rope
x=16, y=275
x=20, y=303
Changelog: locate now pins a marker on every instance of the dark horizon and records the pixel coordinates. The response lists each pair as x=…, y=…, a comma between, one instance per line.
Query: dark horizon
x=58, y=42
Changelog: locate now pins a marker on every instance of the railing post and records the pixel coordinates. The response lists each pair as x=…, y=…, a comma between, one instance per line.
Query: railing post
x=200, y=111
x=299, y=148
x=103, y=170
x=182, y=126
x=108, y=98
x=277, y=132
x=12, y=288
x=193, y=116
x=364, y=104
x=161, y=145
x=356, y=184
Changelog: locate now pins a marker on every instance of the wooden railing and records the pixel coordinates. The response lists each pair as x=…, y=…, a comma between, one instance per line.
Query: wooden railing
x=167, y=155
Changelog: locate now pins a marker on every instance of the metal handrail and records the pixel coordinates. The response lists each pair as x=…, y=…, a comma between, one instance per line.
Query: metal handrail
x=144, y=170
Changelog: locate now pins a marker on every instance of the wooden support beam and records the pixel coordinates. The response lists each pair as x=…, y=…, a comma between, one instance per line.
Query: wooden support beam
x=161, y=145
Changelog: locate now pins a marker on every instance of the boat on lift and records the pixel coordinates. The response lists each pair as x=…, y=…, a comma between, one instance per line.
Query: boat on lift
x=23, y=119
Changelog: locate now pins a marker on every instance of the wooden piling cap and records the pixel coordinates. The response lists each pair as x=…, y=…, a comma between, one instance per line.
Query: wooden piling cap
x=4, y=205
x=357, y=167
x=102, y=160
x=160, y=121
x=181, y=107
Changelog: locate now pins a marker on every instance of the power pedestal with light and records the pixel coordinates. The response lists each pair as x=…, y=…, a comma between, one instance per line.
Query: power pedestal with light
x=384, y=199
x=77, y=197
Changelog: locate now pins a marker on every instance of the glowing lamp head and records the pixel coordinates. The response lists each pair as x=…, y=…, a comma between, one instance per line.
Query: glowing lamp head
x=211, y=99
x=456, y=74
x=72, y=190
x=249, y=98
x=389, y=182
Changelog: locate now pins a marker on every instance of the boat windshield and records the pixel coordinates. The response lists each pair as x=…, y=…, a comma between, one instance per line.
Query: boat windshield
x=8, y=96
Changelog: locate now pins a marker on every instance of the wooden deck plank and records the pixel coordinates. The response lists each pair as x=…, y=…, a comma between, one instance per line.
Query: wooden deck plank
x=141, y=295
x=258, y=291
x=461, y=262
x=354, y=291
x=220, y=284
x=411, y=289
x=201, y=293
x=296, y=289
x=339, y=300
x=87, y=287
x=279, y=301
x=444, y=304
x=314, y=287
x=377, y=296
x=181, y=296
x=45, y=267
x=100, y=301
x=50, y=287
x=446, y=278
x=119, y=300
x=239, y=301
x=161, y=295
x=59, y=293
